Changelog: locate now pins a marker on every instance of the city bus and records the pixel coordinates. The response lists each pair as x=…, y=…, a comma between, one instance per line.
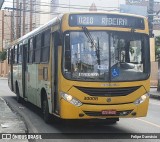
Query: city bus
x=82, y=66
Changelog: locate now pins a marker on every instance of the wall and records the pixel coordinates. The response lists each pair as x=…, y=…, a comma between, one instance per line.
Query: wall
x=4, y=69
x=5, y=37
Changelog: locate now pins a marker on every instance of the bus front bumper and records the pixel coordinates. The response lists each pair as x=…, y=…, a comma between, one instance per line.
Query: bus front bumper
x=92, y=111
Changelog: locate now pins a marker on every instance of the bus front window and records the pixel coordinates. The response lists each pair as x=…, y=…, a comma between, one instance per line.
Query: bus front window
x=105, y=56
x=89, y=56
x=129, y=56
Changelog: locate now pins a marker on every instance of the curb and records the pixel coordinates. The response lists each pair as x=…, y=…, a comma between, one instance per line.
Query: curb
x=3, y=78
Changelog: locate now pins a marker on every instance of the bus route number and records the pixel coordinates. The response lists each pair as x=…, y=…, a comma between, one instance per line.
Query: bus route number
x=82, y=20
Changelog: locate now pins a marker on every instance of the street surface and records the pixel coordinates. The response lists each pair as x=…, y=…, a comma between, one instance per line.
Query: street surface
x=35, y=123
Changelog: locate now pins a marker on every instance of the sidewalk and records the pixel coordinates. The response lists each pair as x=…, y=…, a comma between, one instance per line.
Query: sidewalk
x=154, y=93
x=10, y=122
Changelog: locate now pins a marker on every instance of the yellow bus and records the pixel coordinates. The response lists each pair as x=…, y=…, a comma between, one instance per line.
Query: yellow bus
x=84, y=66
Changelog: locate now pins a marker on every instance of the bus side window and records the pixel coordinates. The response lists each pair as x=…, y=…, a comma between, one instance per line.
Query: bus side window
x=20, y=54
x=38, y=48
x=45, y=46
x=31, y=51
x=13, y=54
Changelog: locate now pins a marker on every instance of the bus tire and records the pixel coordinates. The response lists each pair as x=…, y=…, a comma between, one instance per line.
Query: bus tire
x=45, y=110
x=18, y=97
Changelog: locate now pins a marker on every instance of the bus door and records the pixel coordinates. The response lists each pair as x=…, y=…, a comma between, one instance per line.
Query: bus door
x=55, y=42
x=24, y=70
x=11, y=68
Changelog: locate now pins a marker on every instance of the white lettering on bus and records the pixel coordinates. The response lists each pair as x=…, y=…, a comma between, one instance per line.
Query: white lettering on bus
x=88, y=74
x=114, y=21
x=85, y=20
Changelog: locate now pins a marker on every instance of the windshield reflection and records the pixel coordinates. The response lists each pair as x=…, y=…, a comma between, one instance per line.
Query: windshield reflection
x=87, y=56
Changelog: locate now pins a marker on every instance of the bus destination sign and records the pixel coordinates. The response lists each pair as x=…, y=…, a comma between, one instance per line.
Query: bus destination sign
x=106, y=20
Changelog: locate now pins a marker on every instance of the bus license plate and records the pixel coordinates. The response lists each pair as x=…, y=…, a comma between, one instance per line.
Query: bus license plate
x=109, y=112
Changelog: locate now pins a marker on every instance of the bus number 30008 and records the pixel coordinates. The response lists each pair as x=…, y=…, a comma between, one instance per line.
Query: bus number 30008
x=91, y=98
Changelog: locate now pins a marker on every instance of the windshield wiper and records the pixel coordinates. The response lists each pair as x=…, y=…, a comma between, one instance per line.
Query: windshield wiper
x=91, y=40
x=98, y=52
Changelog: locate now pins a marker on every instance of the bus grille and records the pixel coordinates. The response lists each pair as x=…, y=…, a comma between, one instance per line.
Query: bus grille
x=108, y=92
x=118, y=113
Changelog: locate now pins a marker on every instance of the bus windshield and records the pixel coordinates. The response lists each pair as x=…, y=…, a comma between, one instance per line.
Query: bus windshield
x=105, y=56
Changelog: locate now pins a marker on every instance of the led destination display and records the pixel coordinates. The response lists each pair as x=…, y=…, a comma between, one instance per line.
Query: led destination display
x=106, y=20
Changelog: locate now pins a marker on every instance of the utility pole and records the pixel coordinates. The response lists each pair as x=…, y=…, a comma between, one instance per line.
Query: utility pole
x=31, y=9
x=20, y=19
x=24, y=16
x=17, y=19
x=150, y=17
x=12, y=26
x=2, y=28
x=12, y=23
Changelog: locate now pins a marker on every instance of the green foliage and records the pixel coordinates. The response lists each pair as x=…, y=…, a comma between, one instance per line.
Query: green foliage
x=157, y=47
x=3, y=55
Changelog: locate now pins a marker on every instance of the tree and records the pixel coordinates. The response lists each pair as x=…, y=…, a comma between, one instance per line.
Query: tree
x=3, y=55
x=157, y=50
x=157, y=47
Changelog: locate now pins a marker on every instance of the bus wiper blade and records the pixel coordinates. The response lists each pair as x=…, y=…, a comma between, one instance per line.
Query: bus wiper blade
x=98, y=53
x=88, y=35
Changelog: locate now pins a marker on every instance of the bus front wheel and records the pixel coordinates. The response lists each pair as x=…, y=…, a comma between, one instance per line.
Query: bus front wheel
x=45, y=109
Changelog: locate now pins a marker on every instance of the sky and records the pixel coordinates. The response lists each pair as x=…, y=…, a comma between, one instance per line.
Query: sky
x=98, y=3
x=104, y=3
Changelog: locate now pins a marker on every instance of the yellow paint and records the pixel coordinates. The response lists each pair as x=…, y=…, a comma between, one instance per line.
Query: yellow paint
x=69, y=111
x=40, y=71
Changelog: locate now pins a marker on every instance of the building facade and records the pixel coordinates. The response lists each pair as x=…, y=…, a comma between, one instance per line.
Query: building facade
x=5, y=38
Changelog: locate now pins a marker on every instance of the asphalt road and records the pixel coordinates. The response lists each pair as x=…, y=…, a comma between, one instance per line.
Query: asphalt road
x=35, y=123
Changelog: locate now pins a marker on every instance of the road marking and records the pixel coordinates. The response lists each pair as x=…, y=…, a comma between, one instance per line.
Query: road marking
x=148, y=122
x=155, y=104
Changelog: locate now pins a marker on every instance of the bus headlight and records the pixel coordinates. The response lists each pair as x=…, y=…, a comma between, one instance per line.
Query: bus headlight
x=70, y=99
x=141, y=99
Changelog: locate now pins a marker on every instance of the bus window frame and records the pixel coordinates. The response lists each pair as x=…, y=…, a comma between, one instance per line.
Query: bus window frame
x=20, y=46
x=29, y=51
x=45, y=46
x=37, y=48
